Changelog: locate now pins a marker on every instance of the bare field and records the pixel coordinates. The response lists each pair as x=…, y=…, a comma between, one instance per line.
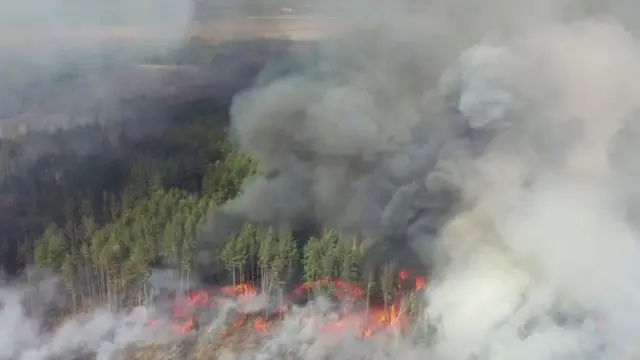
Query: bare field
x=281, y=27
x=290, y=26
x=294, y=27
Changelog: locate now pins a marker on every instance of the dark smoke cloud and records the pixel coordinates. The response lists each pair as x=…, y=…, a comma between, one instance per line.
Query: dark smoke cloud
x=369, y=135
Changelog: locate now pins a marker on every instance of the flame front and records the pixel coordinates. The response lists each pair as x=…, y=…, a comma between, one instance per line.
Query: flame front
x=367, y=322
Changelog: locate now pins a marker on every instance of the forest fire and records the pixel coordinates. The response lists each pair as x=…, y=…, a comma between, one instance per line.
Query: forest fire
x=366, y=320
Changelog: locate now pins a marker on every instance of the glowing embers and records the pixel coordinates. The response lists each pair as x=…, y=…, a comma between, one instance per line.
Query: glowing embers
x=357, y=314
x=369, y=322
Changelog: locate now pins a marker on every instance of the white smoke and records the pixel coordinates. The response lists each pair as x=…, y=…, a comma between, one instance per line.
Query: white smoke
x=547, y=234
x=31, y=329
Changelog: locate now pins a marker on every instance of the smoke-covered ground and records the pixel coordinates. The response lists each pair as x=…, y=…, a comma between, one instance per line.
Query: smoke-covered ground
x=37, y=326
x=523, y=113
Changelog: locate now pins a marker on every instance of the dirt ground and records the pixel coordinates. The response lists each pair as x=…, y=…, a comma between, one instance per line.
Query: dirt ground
x=286, y=27
x=293, y=27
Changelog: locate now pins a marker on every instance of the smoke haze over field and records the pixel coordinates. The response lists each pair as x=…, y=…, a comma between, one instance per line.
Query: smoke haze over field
x=42, y=42
x=67, y=63
x=126, y=65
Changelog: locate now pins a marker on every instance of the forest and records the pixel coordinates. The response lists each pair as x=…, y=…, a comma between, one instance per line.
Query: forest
x=105, y=219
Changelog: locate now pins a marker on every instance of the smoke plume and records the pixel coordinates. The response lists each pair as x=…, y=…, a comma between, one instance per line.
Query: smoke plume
x=499, y=138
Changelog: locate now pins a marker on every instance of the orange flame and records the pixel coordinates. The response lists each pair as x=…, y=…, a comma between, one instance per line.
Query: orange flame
x=376, y=319
x=262, y=325
x=404, y=274
x=186, y=327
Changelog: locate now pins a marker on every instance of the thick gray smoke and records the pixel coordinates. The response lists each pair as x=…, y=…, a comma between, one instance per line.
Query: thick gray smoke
x=500, y=136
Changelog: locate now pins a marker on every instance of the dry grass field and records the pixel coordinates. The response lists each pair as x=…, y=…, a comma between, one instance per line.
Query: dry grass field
x=291, y=27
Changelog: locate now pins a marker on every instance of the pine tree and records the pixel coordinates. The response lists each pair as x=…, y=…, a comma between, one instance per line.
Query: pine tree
x=243, y=245
x=85, y=255
x=313, y=255
x=52, y=249
x=277, y=263
x=172, y=238
x=136, y=269
x=330, y=261
x=253, y=252
x=289, y=251
x=387, y=282
x=267, y=243
x=350, y=264
x=228, y=257
x=188, y=249
x=98, y=243
x=68, y=273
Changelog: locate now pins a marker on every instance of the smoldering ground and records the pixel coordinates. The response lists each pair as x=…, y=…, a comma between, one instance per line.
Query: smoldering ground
x=33, y=330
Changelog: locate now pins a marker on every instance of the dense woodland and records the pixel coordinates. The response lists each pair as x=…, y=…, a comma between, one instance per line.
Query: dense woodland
x=104, y=219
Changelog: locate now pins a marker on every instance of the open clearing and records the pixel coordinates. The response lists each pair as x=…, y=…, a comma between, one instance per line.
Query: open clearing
x=292, y=27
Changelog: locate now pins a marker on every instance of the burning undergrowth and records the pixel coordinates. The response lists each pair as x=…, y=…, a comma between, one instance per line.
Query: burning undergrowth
x=298, y=331
x=351, y=303
x=207, y=322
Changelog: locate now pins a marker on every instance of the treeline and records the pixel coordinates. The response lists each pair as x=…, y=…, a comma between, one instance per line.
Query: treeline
x=157, y=222
x=111, y=262
x=103, y=208
x=275, y=259
x=63, y=186
x=272, y=258
x=56, y=176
